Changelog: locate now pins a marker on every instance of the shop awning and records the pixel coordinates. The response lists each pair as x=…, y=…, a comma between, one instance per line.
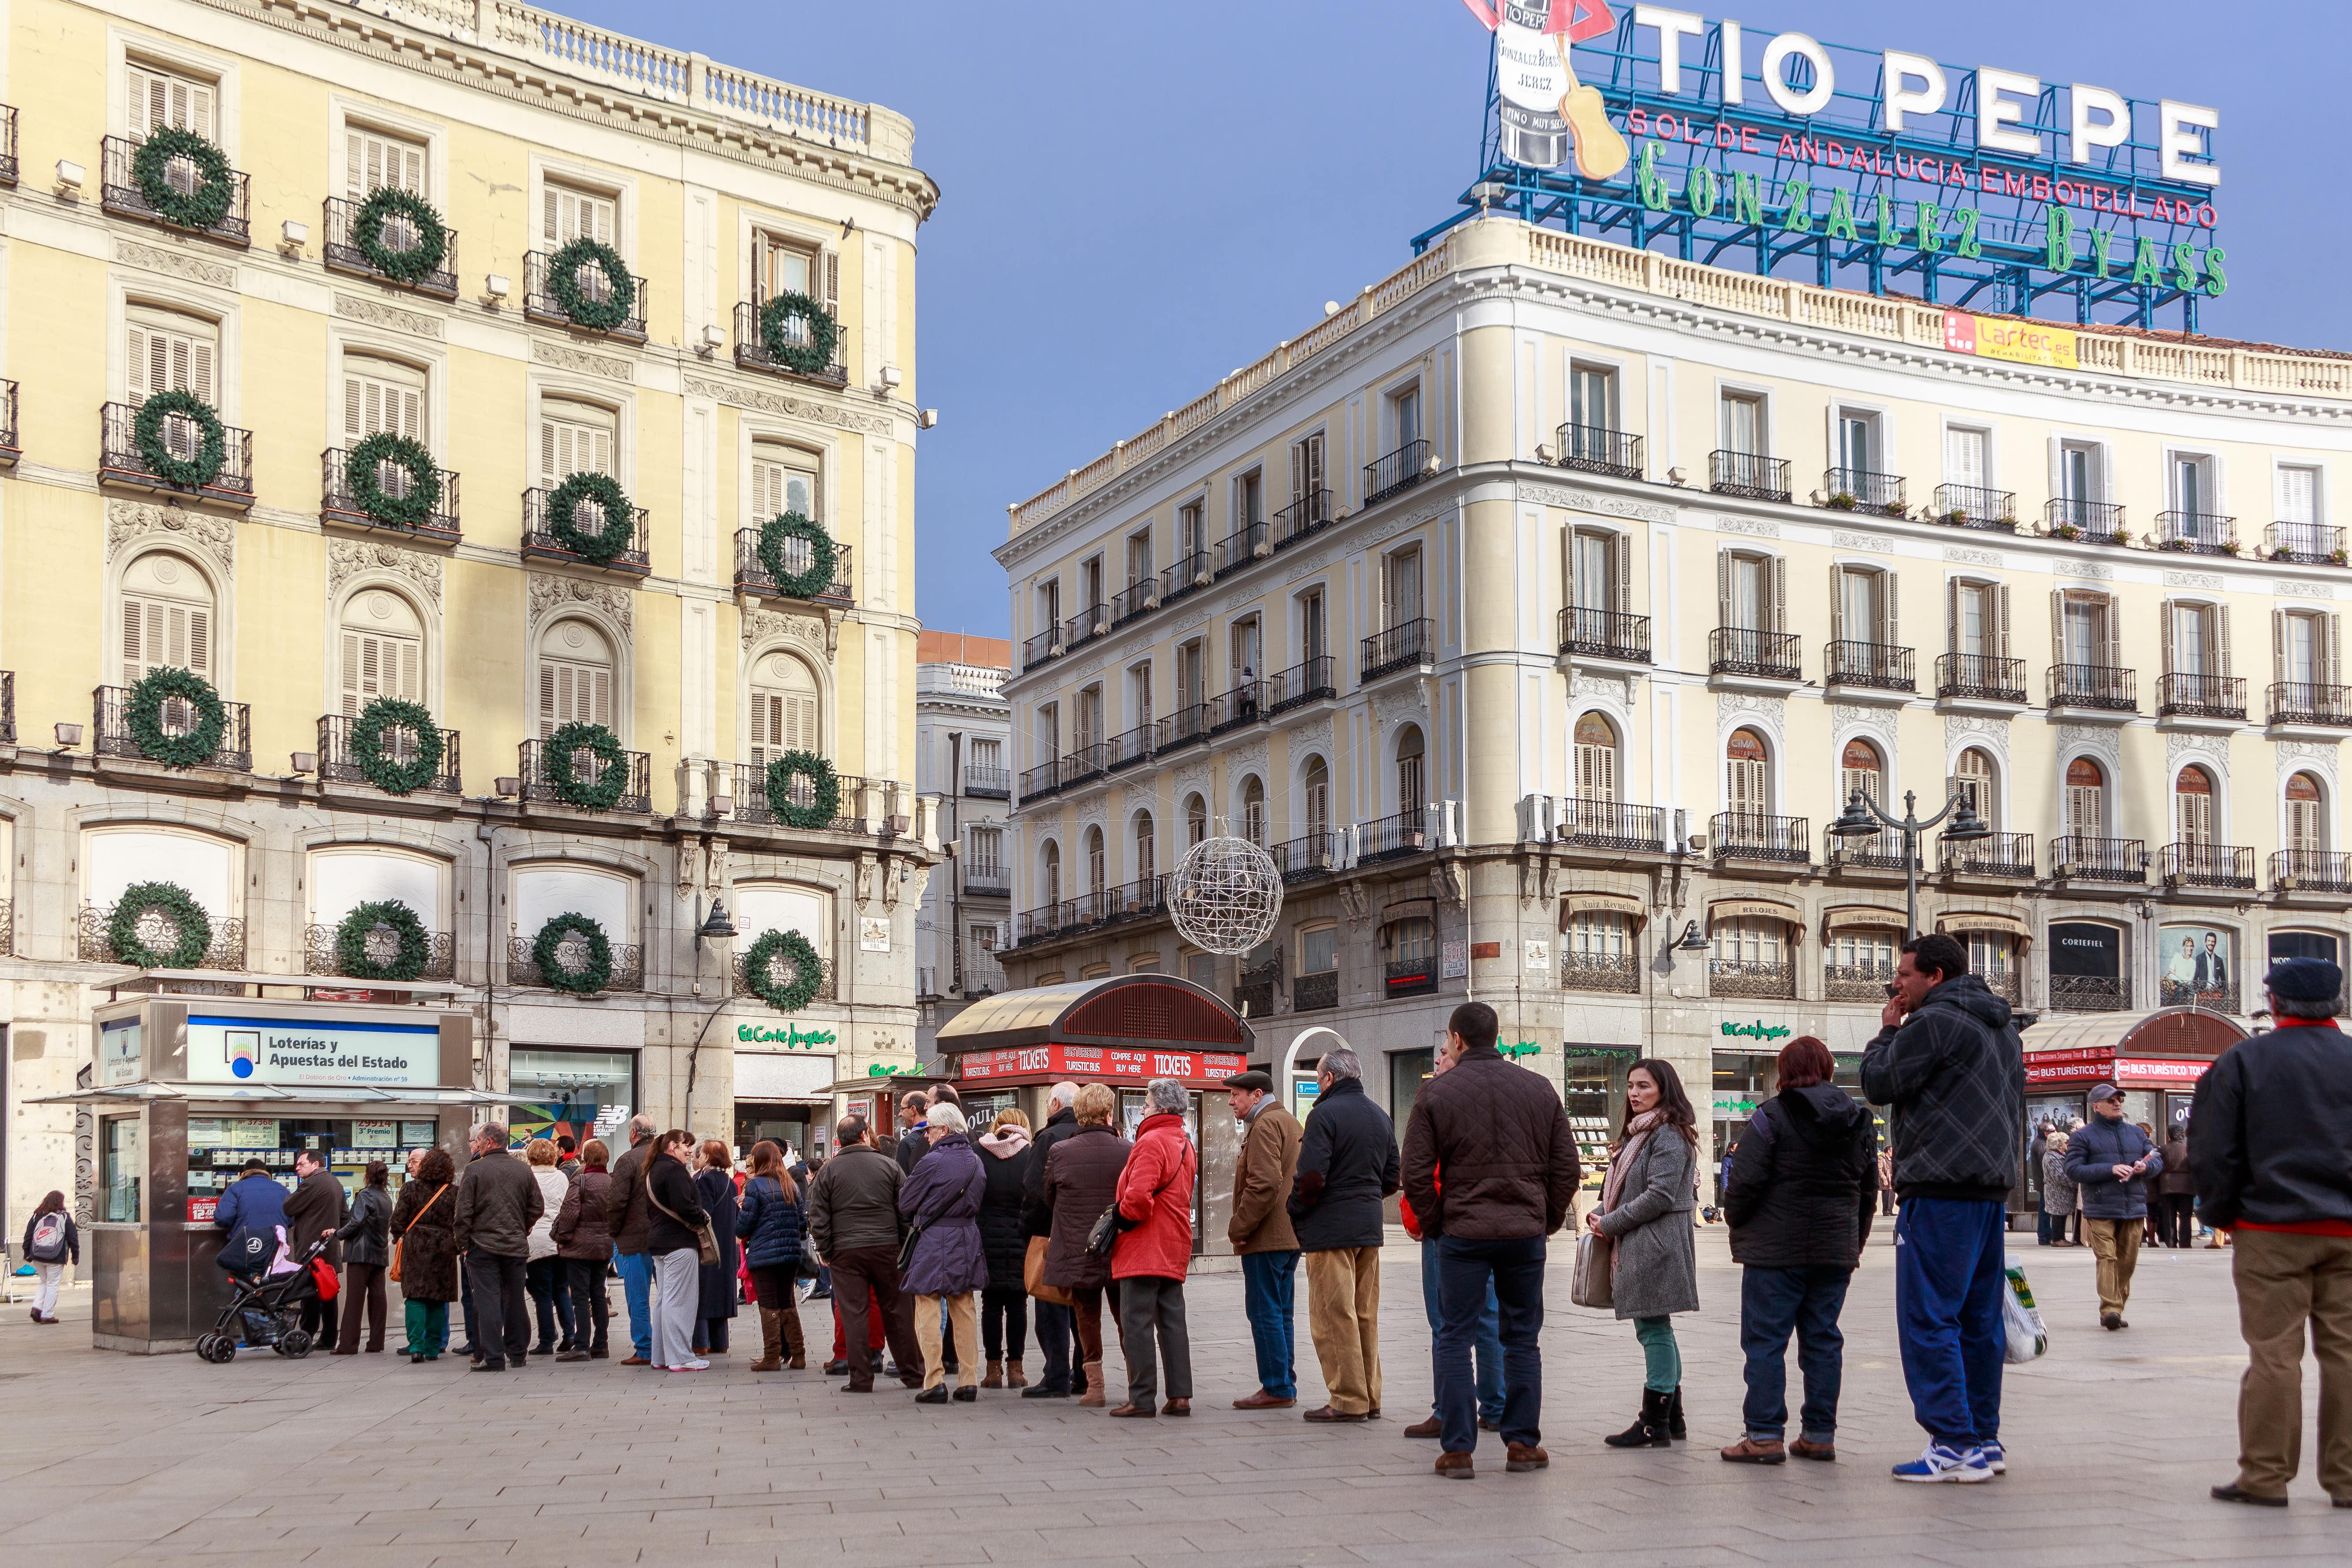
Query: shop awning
x=1984, y=919
x=1844, y=917
x=2167, y=1031
x=1636, y=913
x=1756, y=908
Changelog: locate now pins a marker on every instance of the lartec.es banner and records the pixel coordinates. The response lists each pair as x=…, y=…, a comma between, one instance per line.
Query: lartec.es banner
x=228, y=1049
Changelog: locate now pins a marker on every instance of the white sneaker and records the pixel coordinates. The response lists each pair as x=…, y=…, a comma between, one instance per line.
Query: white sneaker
x=1939, y=1463
x=692, y=1366
x=1995, y=1460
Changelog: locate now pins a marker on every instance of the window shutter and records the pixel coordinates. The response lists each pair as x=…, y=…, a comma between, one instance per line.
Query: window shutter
x=2218, y=624
x=2166, y=612
x=137, y=384
x=2279, y=629
x=1620, y=555
x=547, y=719
x=1890, y=607
x=1723, y=587
x=551, y=228
x=1837, y=603
x=1952, y=592
x=2058, y=624
x=2331, y=630
x=2001, y=595
x=2111, y=623
x=1779, y=565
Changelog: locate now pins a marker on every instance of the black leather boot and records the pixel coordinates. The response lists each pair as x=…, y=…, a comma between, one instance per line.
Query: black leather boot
x=1649, y=1430
x=1674, y=1427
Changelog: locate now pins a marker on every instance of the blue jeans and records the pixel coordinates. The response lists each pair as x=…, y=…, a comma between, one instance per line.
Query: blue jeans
x=1267, y=1278
x=637, y=1271
x=1469, y=1273
x=1773, y=1302
x=1489, y=1345
x=1947, y=1286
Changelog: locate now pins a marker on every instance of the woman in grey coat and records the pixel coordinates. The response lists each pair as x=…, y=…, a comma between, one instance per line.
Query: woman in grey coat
x=1645, y=1208
x=2060, y=1197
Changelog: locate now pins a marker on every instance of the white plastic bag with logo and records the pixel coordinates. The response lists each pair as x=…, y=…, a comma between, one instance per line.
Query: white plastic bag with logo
x=2024, y=1336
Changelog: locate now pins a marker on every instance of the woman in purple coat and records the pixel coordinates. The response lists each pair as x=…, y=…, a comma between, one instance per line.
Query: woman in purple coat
x=940, y=1202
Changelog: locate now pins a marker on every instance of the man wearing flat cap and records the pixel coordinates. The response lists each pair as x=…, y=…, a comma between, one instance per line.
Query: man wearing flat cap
x=2111, y=1159
x=1261, y=1233
x=2273, y=1119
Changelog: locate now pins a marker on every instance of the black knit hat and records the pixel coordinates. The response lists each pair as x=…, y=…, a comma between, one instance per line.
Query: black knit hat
x=2303, y=979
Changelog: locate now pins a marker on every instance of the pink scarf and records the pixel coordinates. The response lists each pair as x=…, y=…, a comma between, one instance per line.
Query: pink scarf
x=1637, y=1133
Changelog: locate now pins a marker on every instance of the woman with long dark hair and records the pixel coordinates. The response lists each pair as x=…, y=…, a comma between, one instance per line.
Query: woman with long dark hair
x=770, y=1223
x=714, y=1183
x=367, y=1252
x=674, y=1239
x=51, y=1241
x=423, y=1229
x=1645, y=1207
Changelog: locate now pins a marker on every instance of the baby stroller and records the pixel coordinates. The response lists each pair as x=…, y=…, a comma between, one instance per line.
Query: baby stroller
x=265, y=1310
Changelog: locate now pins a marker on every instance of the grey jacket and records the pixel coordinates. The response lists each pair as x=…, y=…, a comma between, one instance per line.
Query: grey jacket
x=499, y=1201
x=2058, y=1194
x=1658, y=1249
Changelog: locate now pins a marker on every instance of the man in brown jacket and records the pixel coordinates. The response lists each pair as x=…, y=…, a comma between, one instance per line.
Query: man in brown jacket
x=1261, y=1232
x=317, y=1207
x=498, y=1203
x=630, y=1218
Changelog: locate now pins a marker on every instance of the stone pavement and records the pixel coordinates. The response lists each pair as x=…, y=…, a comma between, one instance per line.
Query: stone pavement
x=357, y=1462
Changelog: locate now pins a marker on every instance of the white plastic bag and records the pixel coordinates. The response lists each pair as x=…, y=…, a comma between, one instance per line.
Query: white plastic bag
x=2024, y=1335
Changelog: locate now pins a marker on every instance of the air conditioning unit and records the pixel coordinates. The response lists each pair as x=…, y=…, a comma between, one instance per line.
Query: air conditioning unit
x=1698, y=842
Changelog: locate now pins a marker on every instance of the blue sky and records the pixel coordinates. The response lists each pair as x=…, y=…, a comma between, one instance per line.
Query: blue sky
x=1137, y=199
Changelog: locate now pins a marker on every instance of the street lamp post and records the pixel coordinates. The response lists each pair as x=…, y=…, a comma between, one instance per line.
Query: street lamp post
x=1861, y=818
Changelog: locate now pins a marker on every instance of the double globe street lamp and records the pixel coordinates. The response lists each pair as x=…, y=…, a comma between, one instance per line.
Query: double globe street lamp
x=1863, y=820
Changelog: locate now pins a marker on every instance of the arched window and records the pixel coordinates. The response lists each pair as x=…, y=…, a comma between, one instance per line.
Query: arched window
x=2192, y=801
x=575, y=676
x=574, y=439
x=786, y=710
x=1254, y=811
x=1053, y=872
x=383, y=649
x=1596, y=759
x=1316, y=792
x=1973, y=779
x=1097, y=869
x=1861, y=770
x=762, y=907
x=211, y=870
x=1411, y=789
x=2307, y=827
x=1147, y=857
x=1748, y=782
x=1196, y=820
x=167, y=618
x=2086, y=799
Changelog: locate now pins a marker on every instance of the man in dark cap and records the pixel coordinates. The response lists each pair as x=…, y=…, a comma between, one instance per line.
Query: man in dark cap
x=2273, y=1118
x=1261, y=1233
x=2111, y=1161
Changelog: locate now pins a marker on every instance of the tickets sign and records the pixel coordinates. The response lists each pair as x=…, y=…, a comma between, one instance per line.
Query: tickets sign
x=1199, y=1069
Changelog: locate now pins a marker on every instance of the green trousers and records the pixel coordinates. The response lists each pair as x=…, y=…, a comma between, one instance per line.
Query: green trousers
x=428, y=1326
x=1661, y=1359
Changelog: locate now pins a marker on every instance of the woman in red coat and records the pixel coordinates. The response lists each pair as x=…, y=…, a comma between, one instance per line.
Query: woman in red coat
x=1155, y=1212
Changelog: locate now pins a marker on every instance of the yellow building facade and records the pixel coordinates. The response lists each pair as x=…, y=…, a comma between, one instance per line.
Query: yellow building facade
x=575, y=411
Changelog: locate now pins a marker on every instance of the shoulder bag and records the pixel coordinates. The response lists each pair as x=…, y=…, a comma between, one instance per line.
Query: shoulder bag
x=393, y=1273
x=1593, y=1285
x=1033, y=1275
x=705, y=1243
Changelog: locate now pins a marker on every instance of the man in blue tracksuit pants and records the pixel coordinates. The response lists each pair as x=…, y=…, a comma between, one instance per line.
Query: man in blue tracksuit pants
x=1948, y=1064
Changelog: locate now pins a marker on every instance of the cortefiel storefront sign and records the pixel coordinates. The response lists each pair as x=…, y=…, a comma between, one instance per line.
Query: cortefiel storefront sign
x=224, y=1048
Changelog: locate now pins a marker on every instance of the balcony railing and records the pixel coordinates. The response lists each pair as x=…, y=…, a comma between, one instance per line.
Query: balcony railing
x=1135, y=599
x=1254, y=991
x=1613, y=825
x=1856, y=982
x=119, y=192
x=1143, y=897
x=2081, y=858
x=2171, y=993
x=2202, y=696
x=866, y=804
x=7, y=715
x=538, y=543
x=1996, y=855
x=1045, y=646
x=1859, y=490
x=2096, y=521
x=1764, y=981
x=1604, y=634
x=110, y=714
x=984, y=976
x=637, y=794
x=988, y=783
x=93, y=945
x=1880, y=665
x=1411, y=645
x=1409, y=976
x=119, y=461
x=2209, y=864
x=1392, y=837
x=7, y=162
x=1244, y=704
x=1869, y=852
x=751, y=348
x=2089, y=993
x=1043, y=780
x=1968, y=506
x=344, y=253
x=1245, y=544
x=2312, y=870
x=1135, y=746
x=397, y=743
x=2308, y=542
x=1089, y=762
x=1600, y=972
x=1311, y=681
x=382, y=945
x=338, y=504
x=1751, y=836
x=2101, y=686
x=987, y=882
x=11, y=447
x=1191, y=571
x=1044, y=921
x=1188, y=726
x=2308, y=703
x=1311, y=513
x=2196, y=532
x=1597, y=449
x=1980, y=677
x=572, y=952
x=828, y=987
x=1396, y=471
x=1316, y=992
x=753, y=576
x=1740, y=650
x=1308, y=854
x=539, y=304
x=1750, y=475
x=1088, y=623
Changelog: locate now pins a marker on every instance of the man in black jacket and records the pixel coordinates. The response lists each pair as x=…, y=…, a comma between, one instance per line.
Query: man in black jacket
x=317, y=1207
x=2111, y=1161
x=1948, y=1063
x=1054, y=1323
x=1347, y=1165
x=499, y=1201
x=2273, y=1119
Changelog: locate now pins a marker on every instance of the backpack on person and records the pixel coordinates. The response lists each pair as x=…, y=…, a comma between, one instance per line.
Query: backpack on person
x=48, y=1238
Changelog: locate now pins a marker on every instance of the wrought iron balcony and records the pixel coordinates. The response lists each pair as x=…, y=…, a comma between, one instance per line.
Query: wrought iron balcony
x=1880, y=665
x=110, y=708
x=751, y=348
x=1750, y=475
x=827, y=988
x=2077, y=857
x=7, y=152
x=11, y=448
x=382, y=944
x=2312, y=870
x=1856, y=982
x=1041, y=781
x=7, y=712
x=344, y=255
x=1311, y=513
x=637, y=794
x=1135, y=746
x=1604, y=634
x=1254, y=989
x=2209, y=864
x=1244, y=704
x=987, y=882
x=1045, y=646
x=119, y=194
x=1044, y=922
x=2196, y=532
x=122, y=463
x=1600, y=972
x=1597, y=449
x=2310, y=543
x=93, y=945
x=337, y=504
x=539, y=545
x=2100, y=686
x=1409, y=976
x=1997, y=855
x=1188, y=726
x=1315, y=992
x=1410, y=645
x=753, y=576
x=522, y=969
x=1859, y=490
x=1613, y=825
x=539, y=304
x=987, y=784
x=865, y=804
x=1245, y=544
x=2096, y=521
x=2202, y=696
x=1144, y=897
x=1396, y=471
x=1869, y=852
x=1980, y=677
x=1088, y=623
x=1300, y=685
x=1758, y=978
x=1751, y=836
x=1191, y=571
x=1090, y=761
x=1392, y=837
x=2171, y=992
x=2089, y=993
x=1135, y=599
x=1968, y=506
x=1308, y=854
x=1741, y=650
x=2306, y=702
x=397, y=743
x=2004, y=983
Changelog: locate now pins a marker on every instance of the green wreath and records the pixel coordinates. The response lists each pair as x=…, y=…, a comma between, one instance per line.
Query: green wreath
x=143, y=716
x=810, y=358
x=824, y=556
x=808, y=970
x=150, y=170
x=818, y=813
x=420, y=261
x=350, y=942
x=360, y=477
x=388, y=773
x=193, y=926
x=563, y=285
x=563, y=517
x=592, y=976
x=570, y=787
x=147, y=435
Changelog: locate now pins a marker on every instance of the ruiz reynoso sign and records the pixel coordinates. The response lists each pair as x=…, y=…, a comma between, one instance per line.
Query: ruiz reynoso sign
x=1983, y=185
x=295, y=1051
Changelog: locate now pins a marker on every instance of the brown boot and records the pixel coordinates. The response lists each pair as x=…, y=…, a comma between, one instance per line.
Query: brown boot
x=1757, y=1452
x=772, y=1341
x=1014, y=1376
x=995, y=1377
x=1094, y=1393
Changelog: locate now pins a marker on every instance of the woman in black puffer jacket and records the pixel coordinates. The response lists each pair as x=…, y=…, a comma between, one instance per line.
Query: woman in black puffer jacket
x=769, y=1223
x=1005, y=1304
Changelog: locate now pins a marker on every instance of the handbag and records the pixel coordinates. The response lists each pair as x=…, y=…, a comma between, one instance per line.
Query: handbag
x=393, y=1272
x=1591, y=1285
x=1033, y=1275
x=1104, y=1234
x=705, y=1242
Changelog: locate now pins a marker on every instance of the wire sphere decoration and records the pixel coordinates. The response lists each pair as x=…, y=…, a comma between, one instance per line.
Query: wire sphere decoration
x=1225, y=895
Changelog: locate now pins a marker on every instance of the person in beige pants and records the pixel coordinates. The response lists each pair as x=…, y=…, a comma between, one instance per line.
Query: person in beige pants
x=1347, y=1166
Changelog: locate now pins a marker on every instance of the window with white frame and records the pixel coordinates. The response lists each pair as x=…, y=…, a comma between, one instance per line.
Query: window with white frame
x=1750, y=939
x=569, y=212
x=1138, y=695
x=576, y=676
x=168, y=97
x=1972, y=778
x=1401, y=587
x=984, y=849
x=1743, y=424
x=167, y=611
x=1862, y=953
x=1404, y=414
x=1592, y=409
x=2086, y=799
x=340, y=880
x=1254, y=811
x=2082, y=484
x=783, y=478
x=574, y=437
x=787, y=710
x=380, y=160
x=1318, y=947
x=383, y=653
x=1596, y=934
x=171, y=350
x=2307, y=823
x=1968, y=459
x=1596, y=759
x=2295, y=512
x=1147, y=848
